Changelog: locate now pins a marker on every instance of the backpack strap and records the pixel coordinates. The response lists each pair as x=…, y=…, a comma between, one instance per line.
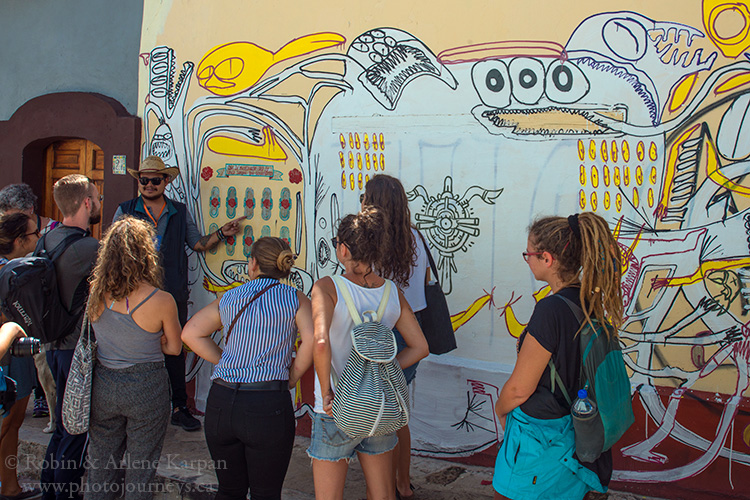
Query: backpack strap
x=555, y=378
x=384, y=300
x=350, y=301
x=433, y=267
x=60, y=248
x=554, y=375
x=577, y=311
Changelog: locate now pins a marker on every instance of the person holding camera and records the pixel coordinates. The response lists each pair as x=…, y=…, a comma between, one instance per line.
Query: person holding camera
x=21, y=198
x=18, y=236
x=10, y=345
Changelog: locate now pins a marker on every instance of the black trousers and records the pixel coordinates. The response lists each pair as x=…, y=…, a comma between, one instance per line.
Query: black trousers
x=176, y=366
x=63, y=465
x=250, y=435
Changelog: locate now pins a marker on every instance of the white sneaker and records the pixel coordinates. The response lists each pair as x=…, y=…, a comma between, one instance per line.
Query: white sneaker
x=50, y=428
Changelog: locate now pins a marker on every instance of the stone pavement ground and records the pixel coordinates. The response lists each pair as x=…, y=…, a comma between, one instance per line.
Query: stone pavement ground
x=185, y=470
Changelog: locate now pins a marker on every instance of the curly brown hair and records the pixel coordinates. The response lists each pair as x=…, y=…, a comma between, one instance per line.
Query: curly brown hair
x=366, y=234
x=387, y=193
x=585, y=248
x=127, y=258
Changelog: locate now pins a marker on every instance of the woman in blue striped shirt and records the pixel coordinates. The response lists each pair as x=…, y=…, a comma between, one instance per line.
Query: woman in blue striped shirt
x=249, y=416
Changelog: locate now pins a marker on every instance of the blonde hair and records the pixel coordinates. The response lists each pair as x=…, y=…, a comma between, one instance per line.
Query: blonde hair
x=274, y=256
x=70, y=192
x=127, y=258
x=585, y=249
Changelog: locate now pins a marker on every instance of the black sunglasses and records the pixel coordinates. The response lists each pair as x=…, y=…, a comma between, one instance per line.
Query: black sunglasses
x=335, y=242
x=153, y=180
x=362, y=198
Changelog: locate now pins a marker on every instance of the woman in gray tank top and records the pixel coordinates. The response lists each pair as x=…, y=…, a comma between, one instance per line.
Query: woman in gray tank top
x=135, y=324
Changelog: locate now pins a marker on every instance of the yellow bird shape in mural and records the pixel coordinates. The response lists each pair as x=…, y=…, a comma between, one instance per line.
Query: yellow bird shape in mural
x=269, y=149
x=461, y=318
x=235, y=67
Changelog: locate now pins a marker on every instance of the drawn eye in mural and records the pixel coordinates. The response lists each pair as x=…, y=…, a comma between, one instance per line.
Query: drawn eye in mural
x=565, y=83
x=324, y=253
x=448, y=222
x=730, y=138
x=527, y=75
x=737, y=39
x=626, y=37
x=492, y=82
x=391, y=59
x=527, y=81
x=651, y=57
x=301, y=279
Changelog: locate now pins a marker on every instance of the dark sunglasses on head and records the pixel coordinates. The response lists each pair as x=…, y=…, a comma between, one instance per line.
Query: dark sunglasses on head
x=153, y=180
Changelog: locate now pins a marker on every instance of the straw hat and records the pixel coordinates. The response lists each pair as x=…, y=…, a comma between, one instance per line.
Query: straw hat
x=154, y=165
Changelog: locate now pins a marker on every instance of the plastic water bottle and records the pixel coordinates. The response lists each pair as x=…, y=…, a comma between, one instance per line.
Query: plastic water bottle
x=588, y=427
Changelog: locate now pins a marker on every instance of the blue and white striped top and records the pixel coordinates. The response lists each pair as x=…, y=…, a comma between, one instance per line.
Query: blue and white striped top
x=262, y=341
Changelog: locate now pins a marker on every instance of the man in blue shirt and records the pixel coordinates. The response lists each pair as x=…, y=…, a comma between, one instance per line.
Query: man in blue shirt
x=175, y=228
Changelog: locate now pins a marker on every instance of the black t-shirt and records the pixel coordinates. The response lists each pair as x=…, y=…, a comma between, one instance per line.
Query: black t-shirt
x=73, y=269
x=554, y=326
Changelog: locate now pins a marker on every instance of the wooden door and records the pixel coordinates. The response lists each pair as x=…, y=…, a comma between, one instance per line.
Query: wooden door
x=72, y=156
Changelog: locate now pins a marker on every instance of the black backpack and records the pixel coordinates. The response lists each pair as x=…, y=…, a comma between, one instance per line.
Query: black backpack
x=29, y=293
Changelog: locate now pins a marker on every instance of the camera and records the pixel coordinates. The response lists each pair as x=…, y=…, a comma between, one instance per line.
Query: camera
x=25, y=346
x=21, y=347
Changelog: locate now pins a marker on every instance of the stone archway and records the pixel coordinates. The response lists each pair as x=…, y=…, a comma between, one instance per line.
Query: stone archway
x=70, y=115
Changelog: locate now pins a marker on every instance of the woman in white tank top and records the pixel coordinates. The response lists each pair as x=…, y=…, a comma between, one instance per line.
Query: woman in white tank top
x=361, y=240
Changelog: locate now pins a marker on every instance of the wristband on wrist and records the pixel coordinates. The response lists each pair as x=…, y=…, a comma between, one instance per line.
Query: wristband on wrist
x=220, y=234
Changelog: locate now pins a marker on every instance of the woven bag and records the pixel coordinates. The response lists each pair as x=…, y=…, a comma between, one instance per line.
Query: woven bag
x=76, y=407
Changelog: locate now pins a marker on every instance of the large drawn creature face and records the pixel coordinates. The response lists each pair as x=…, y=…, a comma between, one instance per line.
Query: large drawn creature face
x=533, y=99
x=392, y=58
x=652, y=56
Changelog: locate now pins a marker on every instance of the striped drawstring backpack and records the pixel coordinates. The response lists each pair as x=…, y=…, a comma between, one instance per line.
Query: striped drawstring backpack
x=370, y=398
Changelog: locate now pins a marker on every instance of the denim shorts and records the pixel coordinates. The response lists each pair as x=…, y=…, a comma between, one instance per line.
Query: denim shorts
x=330, y=443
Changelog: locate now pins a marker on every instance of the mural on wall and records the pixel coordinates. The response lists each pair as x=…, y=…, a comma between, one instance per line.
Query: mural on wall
x=643, y=121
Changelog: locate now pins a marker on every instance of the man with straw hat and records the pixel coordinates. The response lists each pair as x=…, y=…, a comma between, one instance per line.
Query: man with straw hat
x=175, y=228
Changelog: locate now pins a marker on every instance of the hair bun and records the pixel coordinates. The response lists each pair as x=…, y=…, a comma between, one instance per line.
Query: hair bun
x=285, y=261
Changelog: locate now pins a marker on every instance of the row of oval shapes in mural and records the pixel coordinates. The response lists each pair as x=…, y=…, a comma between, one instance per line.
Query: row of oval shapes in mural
x=611, y=151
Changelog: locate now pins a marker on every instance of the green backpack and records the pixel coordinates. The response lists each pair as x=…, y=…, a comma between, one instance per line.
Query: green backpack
x=603, y=376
